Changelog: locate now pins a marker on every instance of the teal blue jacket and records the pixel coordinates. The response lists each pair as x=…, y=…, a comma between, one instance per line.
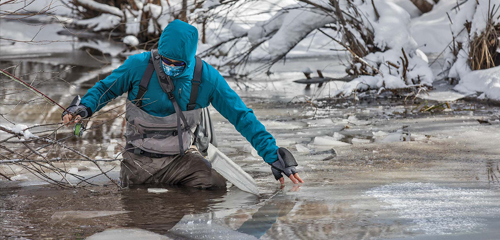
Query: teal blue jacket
x=178, y=42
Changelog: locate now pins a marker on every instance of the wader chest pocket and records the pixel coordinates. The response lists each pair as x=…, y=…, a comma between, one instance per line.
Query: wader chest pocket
x=158, y=138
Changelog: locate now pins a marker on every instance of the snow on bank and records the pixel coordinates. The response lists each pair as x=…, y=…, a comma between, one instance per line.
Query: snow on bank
x=399, y=26
x=293, y=23
x=485, y=81
x=432, y=30
x=391, y=31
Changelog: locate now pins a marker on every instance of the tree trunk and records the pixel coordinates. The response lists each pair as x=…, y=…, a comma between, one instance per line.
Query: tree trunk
x=183, y=16
x=424, y=5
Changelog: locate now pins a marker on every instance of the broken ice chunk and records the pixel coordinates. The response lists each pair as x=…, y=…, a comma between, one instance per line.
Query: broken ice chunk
x=328, y=141
x=337, y=136
x=393, y=137
x=249, y=149
x=355, y=121
x=302, y=149
x=360, y=141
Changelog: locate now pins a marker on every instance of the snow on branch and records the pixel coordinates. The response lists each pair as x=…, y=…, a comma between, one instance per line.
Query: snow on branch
x=291, y=31
x=33, y=156
x=375, y=33
x=144, y=20
x=100, y=7
x=101, y=22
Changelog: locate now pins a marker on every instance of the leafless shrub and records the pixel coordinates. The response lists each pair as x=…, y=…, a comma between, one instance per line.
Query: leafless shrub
x=49, y=150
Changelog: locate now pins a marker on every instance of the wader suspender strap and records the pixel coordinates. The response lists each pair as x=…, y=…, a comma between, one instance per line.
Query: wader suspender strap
x=168, y=86
x=195, y=84
x=143, y=86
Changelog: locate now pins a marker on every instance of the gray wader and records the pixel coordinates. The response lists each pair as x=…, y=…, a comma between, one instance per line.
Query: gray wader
x=159, y=150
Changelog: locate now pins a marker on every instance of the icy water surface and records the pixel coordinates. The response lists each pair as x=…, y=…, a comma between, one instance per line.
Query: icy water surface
x=374, y=169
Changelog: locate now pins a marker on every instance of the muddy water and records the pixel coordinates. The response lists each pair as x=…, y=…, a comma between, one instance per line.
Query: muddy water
x=362, y=181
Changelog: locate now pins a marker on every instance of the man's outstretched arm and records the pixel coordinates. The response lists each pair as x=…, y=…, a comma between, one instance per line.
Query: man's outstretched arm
x=230, y=105
x=102, y=92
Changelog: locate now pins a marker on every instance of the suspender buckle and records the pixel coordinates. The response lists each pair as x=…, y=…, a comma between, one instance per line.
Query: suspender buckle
x=191, y=106
x=138, y=151
x=170, y=95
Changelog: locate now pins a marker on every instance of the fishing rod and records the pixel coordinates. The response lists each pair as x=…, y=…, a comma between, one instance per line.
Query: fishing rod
x=33, y=89
x=79, y=127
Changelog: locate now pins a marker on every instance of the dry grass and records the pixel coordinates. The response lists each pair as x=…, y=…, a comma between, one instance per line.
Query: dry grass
x=483, y=49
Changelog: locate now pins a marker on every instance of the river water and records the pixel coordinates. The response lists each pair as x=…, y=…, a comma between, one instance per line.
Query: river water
x=361, y=180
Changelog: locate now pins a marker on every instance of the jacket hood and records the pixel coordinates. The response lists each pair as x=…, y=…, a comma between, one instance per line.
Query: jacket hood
x=179, y=41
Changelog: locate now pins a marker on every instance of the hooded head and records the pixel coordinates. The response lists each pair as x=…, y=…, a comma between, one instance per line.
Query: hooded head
x=178, y=42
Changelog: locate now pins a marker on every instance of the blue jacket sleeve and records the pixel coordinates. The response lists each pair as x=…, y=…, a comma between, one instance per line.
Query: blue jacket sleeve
x=230, y=105
x=117, y=83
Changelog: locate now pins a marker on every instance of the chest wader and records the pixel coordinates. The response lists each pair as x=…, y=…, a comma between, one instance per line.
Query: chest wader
x=157, y=146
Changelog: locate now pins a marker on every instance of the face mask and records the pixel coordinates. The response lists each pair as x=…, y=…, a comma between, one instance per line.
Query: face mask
x=172, y=71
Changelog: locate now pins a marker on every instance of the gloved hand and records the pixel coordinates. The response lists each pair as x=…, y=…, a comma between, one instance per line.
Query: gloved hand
x=286, y=164
x=76, y=111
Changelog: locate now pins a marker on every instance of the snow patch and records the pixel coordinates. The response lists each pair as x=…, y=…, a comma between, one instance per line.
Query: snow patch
x=131, y=40
x=431, y=30
x=485, y=81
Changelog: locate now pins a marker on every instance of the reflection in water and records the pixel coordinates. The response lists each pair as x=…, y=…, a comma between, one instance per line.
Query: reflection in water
x=492, y=170
x=284, y=216
x=60, y=82
x=160, y=212
x=262, y=220
x=20, y=105
x=326, y=220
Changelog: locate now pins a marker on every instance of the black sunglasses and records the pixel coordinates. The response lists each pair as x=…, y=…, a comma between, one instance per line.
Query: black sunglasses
x=169, y=62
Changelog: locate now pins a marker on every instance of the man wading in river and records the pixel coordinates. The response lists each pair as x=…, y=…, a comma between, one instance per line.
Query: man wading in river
x=164, y=109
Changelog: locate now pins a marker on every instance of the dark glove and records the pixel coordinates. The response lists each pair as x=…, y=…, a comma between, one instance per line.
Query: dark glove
x=75, y=108
x=286, y=164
